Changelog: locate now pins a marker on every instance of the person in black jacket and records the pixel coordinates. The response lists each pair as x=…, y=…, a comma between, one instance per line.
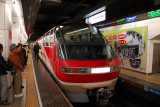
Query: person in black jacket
x=3, y=79
x=36, y=51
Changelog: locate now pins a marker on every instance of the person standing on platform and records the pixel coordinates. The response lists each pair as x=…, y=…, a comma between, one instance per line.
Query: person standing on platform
x=20, y=55
x=16, y=62
x=36, y=51
x=3, y=79
x=27, y=52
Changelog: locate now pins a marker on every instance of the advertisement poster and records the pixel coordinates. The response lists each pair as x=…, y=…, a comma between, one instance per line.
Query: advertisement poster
x=130, y=46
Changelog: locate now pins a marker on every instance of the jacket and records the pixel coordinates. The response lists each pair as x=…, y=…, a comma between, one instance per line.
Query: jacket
x=36, y=49
x=21, y=56
x=3, y=63
x=15, y=60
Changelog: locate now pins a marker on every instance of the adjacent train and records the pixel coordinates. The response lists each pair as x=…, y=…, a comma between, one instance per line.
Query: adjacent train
x=81, y=60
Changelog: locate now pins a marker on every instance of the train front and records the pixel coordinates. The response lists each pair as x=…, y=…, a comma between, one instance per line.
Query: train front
x=87, y=64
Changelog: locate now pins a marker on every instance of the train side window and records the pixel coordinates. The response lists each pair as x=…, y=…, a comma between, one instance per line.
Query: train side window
x=83, y=37
x=43, y=40
x=58, y=35
x=47, y=39
x=51, y=38
x=95, y=37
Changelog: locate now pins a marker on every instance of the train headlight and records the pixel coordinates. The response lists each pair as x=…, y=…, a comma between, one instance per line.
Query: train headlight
x=75, y=70
x=100, y=70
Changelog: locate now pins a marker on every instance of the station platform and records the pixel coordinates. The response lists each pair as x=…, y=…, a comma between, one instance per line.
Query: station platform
x=141, y=84
x=150, y=80
x=40, y=90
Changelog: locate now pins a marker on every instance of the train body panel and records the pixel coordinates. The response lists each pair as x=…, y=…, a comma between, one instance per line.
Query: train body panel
x=79, y=66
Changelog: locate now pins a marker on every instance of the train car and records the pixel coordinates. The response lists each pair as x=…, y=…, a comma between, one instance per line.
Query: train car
x=81, y=60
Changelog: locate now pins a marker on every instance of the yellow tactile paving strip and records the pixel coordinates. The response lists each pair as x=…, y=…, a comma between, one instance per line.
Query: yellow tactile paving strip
x=31, y=97
x=155, y=78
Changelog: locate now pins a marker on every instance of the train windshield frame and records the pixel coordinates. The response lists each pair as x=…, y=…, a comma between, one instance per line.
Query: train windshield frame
x=82, y=42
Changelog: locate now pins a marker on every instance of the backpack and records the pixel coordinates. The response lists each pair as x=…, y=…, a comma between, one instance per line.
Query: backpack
x=8, y=65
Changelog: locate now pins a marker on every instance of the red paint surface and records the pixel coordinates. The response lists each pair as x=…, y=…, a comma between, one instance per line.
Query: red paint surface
x=80, y=78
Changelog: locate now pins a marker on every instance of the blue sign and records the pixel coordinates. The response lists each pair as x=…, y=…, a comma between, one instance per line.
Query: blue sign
x=151, y=90
x=131, y=19
x=101, y=26
x=107, y=24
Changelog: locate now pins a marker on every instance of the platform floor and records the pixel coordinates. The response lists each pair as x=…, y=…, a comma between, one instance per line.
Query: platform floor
x=50, y=93
x=31, y=97
x=149, y=80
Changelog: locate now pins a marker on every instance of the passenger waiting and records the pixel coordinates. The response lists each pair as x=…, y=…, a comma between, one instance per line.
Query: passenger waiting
x=21, y=53
x=3, y=79
x=15, y=60
x=36, y=51
x=26, y=56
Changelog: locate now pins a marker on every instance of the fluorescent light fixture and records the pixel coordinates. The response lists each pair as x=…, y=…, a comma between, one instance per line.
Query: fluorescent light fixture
x=61, y=26
x=77, y=30
x=8, y=8
x=100, y=70
x=18, y=8
x=96, y=11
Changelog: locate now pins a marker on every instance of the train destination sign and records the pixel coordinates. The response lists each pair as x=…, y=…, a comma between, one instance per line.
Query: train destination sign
x=96, y=18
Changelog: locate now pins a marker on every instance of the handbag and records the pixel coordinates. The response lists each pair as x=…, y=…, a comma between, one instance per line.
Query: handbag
x=13, y=71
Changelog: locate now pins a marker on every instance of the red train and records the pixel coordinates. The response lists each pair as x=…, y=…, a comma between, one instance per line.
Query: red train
x=81, y=60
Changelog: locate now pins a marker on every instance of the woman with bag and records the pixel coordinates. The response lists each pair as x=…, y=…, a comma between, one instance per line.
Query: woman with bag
x=16, y=62
x=3, y=79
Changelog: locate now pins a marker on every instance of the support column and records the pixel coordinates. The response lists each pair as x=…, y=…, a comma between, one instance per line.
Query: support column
x=5, y=30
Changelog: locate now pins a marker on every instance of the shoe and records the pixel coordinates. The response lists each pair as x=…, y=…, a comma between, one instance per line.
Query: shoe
x=19, y=95
x=22, y=86
x=6, y=102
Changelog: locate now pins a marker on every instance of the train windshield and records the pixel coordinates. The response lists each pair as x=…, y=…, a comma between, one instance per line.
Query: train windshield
x=78, y=33
x=86, y=52
x=83, y=42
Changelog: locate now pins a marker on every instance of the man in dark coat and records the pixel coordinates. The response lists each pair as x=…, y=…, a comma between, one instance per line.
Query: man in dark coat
x=36, y=51
x=3, y=79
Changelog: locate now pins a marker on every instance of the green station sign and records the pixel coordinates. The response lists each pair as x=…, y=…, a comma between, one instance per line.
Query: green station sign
x=154, y=14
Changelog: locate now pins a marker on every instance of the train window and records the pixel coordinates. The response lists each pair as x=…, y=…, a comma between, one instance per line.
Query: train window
x=47, y=39
x=44, y=41
x=81, y=33
x=86, y=52
x=58, y=35
x=73, y=38
x=94, y=37
x=83, y=37
x=51, y=38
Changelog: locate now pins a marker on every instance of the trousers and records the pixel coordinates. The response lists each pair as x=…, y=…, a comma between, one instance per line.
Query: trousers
x=36, y=56
x=18, y=82
x=3, y=87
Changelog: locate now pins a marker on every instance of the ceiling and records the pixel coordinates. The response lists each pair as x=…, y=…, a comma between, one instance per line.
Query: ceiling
x=42, y=15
